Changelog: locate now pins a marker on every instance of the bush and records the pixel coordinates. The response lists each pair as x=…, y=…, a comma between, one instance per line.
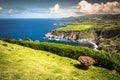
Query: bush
x=7, y=39
x=4, y=44
x=86, y=61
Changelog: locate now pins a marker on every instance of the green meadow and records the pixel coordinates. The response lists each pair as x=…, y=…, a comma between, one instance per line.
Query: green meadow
x=22, y=63
x=76, y=27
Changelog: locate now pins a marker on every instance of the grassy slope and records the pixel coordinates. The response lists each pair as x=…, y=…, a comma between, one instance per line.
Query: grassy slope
x=76, y=27
x=22, y=63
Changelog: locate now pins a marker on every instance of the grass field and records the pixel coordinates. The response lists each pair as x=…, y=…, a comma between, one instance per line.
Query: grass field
x=76, y=27
x=22, y=63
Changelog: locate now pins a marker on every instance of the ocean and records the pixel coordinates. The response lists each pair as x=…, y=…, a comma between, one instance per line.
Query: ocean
x=34, y=29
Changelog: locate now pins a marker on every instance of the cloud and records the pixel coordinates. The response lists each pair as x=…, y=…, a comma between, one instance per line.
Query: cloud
x=85, y=7
x=10, y=11
x=1, y=9
x=102, y=8
x=58, y=11
x=55, y=9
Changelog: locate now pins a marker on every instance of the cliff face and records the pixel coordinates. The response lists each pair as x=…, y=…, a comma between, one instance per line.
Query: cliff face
x=109, y=39
x=76, y=35
x=106, y=39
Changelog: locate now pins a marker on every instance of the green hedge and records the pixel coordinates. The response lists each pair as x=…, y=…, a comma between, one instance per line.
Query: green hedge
x=103, y=59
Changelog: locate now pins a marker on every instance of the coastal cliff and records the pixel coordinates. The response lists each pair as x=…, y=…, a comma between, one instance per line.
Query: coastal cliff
x=102, y=31
x=105, y=39
x=73, y=35
x=109, y=39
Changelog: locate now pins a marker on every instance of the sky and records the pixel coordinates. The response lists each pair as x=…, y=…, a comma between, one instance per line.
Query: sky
x=56, y=8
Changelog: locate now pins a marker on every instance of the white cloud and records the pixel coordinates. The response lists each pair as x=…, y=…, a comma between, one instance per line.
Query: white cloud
x=102, y=8
x=85, y=7
x=55, y=9
x=1, y=9
x=58, y=11
x=10, y=11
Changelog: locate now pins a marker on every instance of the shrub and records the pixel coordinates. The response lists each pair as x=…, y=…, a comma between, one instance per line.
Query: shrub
x=86, y=61
x=4, y=44
x=7, y=39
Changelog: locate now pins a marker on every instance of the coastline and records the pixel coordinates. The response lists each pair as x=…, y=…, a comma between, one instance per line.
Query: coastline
x=81, y=42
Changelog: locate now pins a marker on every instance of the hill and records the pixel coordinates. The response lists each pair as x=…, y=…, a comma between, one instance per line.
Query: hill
x=22, y=63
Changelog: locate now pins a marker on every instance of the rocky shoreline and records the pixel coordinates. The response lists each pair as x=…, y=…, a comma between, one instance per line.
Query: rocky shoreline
x=88, y=42
x=102, y=39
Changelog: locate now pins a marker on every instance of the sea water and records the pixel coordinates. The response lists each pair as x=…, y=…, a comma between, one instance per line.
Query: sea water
x=34, y=29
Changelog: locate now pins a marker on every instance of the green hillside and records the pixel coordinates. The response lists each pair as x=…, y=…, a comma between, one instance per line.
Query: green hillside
x=76, y=27
x=22, y=63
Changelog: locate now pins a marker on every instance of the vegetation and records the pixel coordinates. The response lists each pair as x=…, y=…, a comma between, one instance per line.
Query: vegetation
x=103, y=59
x=22, y=63
x=104, y=20
x=76, y=27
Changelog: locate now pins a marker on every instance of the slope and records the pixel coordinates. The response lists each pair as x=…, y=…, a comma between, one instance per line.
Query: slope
x=22, y=63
